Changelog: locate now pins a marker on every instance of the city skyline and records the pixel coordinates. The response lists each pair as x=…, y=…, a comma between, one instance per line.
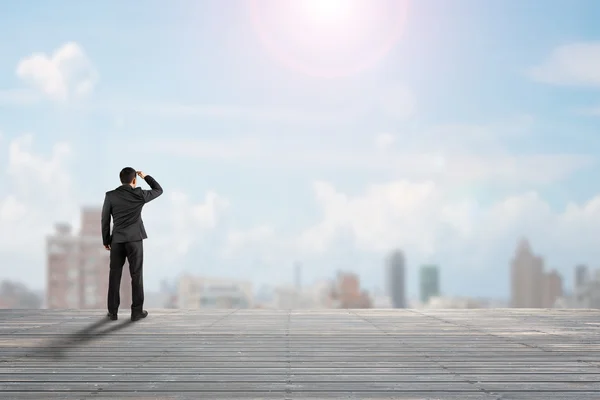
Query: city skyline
x=532, y=286
x=82, y=241
x=76, y=267
x=436, y=129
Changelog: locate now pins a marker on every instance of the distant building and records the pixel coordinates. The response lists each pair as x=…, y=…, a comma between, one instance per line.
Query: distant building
x=581, y=275
x=78, y=267
x=17, y=295
x=169, y=294
x=586, y=293
x=553, y=289
x=527, y=278
x=396, y=279
x=437, y=302
x=382, y=301
x=346, y=292
x=213, y=293
x=288, y=297
x=264, y=297
x=429, y=282
x=315, y=296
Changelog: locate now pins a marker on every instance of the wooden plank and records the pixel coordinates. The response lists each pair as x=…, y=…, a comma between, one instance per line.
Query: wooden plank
x=317, y=354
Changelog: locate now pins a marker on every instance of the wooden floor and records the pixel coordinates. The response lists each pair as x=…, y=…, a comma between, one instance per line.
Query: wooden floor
x=325, y=354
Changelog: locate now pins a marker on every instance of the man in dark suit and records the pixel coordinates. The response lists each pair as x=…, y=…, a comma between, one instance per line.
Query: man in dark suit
x=125, y=205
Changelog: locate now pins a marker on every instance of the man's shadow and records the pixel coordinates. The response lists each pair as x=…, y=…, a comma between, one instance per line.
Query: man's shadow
x=58, y=347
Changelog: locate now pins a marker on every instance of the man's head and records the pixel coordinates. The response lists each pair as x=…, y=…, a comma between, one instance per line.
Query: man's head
x=128, y=176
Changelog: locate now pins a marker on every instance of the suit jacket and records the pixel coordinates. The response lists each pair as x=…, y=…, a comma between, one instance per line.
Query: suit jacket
x=125, y=205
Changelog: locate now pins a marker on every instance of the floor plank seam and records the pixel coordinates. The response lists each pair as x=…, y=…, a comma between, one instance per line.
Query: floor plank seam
x=308, y=354
x=509, y=340
x=166, y=351
x=588, y=363
x=46, y=349
x=492, y=395
x=288, y=373
x=531, y=346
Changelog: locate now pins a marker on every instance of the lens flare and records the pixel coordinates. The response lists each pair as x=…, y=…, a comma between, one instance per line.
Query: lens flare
x=326, y=10
x=328, y=38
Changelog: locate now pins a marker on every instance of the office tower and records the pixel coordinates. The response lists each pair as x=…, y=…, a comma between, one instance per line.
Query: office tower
x=586, y=291
x=78, y=267
x=553, y=288
x=527, y=278
x=581, y=276
x=429, y=282
x=396, y=279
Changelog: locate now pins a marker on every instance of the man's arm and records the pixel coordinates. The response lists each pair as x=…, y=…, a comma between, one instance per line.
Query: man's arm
x=155, y=189
x=106, y=211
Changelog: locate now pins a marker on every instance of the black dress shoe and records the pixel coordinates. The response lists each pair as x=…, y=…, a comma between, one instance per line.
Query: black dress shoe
x=113, y=317
x=138, y=316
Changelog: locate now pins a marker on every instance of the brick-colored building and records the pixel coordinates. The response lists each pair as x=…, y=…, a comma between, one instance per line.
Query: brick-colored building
x=346, y=292
x=78, y=267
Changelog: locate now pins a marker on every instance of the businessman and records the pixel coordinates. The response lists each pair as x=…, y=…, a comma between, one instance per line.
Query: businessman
x=124, y=204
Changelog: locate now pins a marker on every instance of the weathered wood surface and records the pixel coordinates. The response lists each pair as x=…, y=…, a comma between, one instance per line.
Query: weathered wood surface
x=289, y=354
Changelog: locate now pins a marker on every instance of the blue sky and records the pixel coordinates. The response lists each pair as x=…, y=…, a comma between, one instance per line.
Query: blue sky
x=472, y=130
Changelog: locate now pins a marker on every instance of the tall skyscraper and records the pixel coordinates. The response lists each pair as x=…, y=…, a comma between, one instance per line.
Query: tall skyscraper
x=553, y=288
x=396, y=279
x=78, y=267
x=581, y=276
x=429, y=282
x=527, y=278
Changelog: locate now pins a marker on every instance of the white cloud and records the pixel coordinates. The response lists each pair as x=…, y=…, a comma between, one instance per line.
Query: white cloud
x=11, y=210
x=571, y=64
x=33, y=173
x=37, y=193
x=424, y=219
x=384, y=141
x=179, y=223
x=386, y=215
x=65, y=74
x=238, y=241
x=22, y=159
x=449, y=153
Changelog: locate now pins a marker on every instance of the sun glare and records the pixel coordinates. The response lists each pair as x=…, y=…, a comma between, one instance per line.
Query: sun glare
x=328, y=38
x=326, y=10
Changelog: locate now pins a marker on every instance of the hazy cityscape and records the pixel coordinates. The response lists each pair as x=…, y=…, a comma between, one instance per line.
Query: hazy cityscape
x=319, y=199
x=77, y=278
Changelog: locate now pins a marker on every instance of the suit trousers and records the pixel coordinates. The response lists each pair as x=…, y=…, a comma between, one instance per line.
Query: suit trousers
x=133, y=252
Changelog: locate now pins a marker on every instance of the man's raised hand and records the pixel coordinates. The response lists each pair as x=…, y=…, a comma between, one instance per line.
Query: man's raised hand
x=141, y=174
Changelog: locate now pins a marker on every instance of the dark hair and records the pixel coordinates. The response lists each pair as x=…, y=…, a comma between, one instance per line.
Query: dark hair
x=127, y=174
